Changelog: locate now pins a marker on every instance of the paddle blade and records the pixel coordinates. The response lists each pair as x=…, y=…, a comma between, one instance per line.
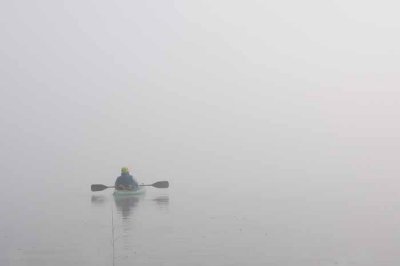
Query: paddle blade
x=98, y=187
x=161, y=184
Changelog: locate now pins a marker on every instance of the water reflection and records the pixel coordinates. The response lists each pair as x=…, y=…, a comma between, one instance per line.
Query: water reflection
x=98, y=199
x=162, y=201
x=126, y=204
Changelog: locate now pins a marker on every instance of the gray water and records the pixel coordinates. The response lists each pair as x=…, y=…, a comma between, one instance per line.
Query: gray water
x=275, y=122
x=268, y=221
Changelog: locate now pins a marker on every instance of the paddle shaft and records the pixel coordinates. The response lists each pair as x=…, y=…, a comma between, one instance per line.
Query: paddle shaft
x=160, y=184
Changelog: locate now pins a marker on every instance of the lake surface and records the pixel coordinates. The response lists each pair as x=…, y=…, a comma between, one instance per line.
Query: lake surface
x=269, y=221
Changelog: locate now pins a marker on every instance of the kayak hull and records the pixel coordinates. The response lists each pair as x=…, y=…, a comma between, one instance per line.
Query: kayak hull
x=139, y=191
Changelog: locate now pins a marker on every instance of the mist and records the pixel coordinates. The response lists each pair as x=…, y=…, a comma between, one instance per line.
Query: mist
x=292, y=99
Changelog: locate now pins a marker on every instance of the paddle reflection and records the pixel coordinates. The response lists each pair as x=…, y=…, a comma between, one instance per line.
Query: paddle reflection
x=98, y=199
x=162, y=201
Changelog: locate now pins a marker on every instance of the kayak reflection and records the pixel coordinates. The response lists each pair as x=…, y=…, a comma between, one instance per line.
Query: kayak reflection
x=126, y=204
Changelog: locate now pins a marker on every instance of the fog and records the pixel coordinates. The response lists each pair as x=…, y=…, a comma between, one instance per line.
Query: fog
x=292, y=100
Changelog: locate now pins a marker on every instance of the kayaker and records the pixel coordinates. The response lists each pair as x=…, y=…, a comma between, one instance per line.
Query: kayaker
x=126, y=181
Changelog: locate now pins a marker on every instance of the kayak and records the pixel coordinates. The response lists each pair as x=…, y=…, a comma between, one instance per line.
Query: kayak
x=138, y=191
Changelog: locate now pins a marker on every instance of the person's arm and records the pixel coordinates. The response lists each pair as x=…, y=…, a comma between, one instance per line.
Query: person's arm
x=134, y=182
x=118, y=184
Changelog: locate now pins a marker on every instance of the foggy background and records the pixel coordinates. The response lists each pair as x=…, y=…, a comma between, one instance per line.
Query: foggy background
x=282, y=98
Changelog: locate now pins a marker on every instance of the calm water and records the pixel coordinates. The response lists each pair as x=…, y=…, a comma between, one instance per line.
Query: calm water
x=269, y=221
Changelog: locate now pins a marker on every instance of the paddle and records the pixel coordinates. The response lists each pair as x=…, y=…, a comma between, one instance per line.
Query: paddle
x=160, y=184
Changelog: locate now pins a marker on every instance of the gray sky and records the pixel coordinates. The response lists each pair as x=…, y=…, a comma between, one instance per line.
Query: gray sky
x=201, y=87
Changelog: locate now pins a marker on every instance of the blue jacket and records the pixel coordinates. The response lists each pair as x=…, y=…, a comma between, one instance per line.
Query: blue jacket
x=126, y=180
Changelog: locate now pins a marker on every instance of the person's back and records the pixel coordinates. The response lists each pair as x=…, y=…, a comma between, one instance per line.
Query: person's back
x=126, y=181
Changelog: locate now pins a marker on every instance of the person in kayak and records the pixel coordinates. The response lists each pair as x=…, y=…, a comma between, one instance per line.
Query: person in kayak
x=126, y=181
